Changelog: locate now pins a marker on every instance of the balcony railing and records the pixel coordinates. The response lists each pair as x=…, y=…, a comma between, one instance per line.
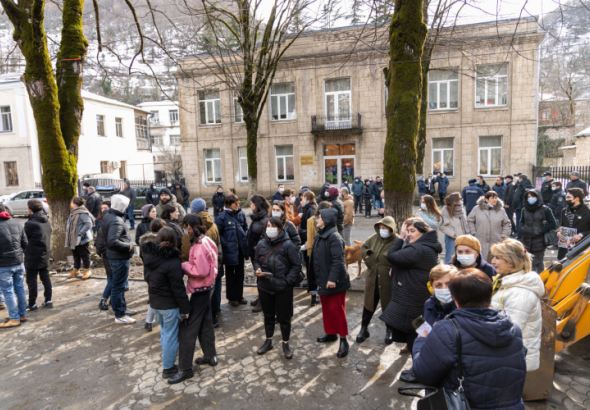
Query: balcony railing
x=328, y=124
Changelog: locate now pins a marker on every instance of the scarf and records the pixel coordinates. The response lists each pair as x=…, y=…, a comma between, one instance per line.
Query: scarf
x=462, y=217
x=570, y=214
x=72, y=231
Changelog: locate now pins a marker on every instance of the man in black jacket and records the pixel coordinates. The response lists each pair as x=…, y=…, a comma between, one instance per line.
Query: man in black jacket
x=575, y=215
x=119, y=251
x=218, y=201
x=546, y=190
x=38, y=231
x=557, y=201
x=152, y=195
x=482, y=184
x=576, y=182
x=523, y=186
x=93, y=204
x=132, y=195
x=13, y=243
x=508, y=198
x=181, y=193
x=100, y=243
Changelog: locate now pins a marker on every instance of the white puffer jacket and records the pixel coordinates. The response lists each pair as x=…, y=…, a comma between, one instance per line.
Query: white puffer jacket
x=519, y=295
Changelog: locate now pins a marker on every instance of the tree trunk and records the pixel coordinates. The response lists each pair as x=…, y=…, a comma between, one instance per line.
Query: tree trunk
x=407, y=33
x=251, y=148
x=421, y=141
x=59, y=213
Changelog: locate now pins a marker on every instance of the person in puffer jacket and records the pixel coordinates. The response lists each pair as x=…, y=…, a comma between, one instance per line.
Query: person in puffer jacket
x=277, y=255
x=493, y=356
x=519, y=292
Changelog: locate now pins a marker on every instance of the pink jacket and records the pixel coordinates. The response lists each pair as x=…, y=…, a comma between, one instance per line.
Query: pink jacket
x=201, y=267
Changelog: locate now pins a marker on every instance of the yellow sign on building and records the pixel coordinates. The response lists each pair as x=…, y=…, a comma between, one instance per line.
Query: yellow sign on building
x=306, y=159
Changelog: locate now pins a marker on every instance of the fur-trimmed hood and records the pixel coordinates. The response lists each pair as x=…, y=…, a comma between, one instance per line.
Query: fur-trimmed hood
x=147, y=237
x=154, y=254
x=481, y=202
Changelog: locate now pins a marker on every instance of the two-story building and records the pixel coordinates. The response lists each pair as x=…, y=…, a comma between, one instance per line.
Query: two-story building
x=324, y=120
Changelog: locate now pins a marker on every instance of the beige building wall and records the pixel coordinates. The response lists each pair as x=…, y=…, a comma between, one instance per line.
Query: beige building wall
x=320, y=56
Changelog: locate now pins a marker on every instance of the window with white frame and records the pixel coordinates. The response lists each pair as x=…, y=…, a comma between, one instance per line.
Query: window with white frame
x=284, y=163
x=238, y=113
x=6, y=120
x=338, y=101
x=213, y=165
x=443, y=89
x=443, y=156
x=175, y=140
x=100, y=125
x=157, y=140
x=491, y=88
x=209, y=108
x=546, y=114
x=282, y=102
x=490, y=155
x=243, y=159
x=119, y=127
x=155, y=117
x=173, y=115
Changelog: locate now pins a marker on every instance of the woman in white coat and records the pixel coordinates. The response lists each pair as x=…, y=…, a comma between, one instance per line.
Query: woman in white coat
x=518, y=291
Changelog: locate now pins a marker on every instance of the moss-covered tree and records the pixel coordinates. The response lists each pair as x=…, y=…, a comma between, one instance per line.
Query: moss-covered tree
x=403, y=77
x=55, y=99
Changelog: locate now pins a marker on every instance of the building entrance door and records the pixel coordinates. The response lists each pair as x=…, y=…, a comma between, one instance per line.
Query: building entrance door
x=339, y=163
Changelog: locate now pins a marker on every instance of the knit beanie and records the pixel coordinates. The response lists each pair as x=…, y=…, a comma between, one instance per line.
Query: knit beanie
x=145, y=210
x=119, y=203
x=333, y=192
x=198, y=205
x=468, y=240
x=166, y=191
x=576, y=174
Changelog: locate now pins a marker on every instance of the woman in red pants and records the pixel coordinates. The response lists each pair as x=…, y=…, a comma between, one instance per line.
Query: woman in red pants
x=332, y=279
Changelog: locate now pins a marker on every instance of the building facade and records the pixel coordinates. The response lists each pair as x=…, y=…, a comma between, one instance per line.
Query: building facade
x=324, y=120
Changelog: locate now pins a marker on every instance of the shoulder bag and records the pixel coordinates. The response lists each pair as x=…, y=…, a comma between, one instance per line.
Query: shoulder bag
x=550, y=238
x=441, y=398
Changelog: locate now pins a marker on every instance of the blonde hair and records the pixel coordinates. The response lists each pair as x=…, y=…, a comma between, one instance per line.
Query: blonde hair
x=513, y=252
x=441, y=270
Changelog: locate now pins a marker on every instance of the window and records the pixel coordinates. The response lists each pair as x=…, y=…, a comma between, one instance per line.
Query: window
x=443, y=157
x=11, y=173
x=238, y=113
x=119, y=127
x=243, y=163
x=490, y=155
x=175, y=140
x=155, y=117
x=104, y=167
x=386, y=93
x=6, y=120
x=546, y=113
x=100, y=125
x=338, y=96
x=213, y=165
x=157, y=140
x=123, y=170
x=491, y=88
x=282, y=101
x=141, y=133
x=284, y=163
x=173, y=114
x=209, y=108
x=443, y=90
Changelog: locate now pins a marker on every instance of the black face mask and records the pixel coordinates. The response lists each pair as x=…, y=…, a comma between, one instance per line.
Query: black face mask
x=569, y=203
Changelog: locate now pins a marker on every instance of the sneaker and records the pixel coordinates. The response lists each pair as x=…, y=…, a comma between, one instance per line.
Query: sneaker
x=48, y=304
x=148, y=327
x=87, y=274
x=73, y=273
x=103, y=305
x=125, y=320
x=130, y=312
x=32, y=308
x=132, y=228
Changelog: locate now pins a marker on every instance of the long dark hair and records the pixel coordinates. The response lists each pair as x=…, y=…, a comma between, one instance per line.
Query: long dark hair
x=196, y=223
x=166, y=211
x=282, y=206
x=157, y=224
x=166, y=237
x=276, y=222
x=451, y=202
x=261, y=204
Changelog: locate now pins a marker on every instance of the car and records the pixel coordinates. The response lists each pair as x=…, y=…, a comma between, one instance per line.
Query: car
x=140, y=201
x=17, y=206
x=4, y=198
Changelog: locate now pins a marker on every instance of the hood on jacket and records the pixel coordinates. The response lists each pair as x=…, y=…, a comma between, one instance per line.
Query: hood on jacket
x=119, y=203
x=526, y=184
x=145, y=210
x=536, y=205
x=530, y=281
x=126, y=184
x=177, y=183
x=304, y=189
x=154, y=254
x=147, y=237
x=324, y=188
x=347, y=198
x=39, y=216
x=198, y=205
x=329, y=215
x=498, y=207
x=152, y=186
x=492, y=327
x=387, y=221
x=430, y=239
x=206, y=219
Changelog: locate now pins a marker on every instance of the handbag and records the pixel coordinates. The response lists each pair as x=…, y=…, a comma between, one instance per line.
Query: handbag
x=549, y=238
x=441, y=398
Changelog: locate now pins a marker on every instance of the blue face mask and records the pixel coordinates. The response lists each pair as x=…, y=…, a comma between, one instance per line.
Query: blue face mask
x=544, y=178
x=504, y=182
x=421, y=178
x=532, y=200
x=478, y=183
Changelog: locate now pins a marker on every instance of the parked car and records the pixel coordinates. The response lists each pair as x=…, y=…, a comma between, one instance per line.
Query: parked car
x=17, y=206
x=4, y=198
x=140, y=201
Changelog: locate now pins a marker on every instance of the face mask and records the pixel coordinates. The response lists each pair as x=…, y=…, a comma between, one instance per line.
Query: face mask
x=357, y=180
x=276, y=214
x=384, y=233
x=169, y=185
x=340, y=196
x=544, y=179
x=569, y=203
x=478, y=183
x=505, y=182
x=532, y=200
x=327, y=195
x=423, y=206
x=554, y=188
x=185, y=231
x=466, y=260
x=272, y=232
x=303, y=202
x=281, y=189
x=443, y=295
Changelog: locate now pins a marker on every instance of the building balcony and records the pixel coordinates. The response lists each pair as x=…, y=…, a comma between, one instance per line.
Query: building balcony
x=143, y=143
x=336, y=124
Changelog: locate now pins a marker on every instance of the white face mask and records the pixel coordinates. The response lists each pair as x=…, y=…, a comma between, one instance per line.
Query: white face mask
x=281, y=189
x=185, y=231
x=466, y=260
x=443, y=295
x=276, y=215
x=272, y=232
x=423, y=206
x=384, y=233
x=554, y=188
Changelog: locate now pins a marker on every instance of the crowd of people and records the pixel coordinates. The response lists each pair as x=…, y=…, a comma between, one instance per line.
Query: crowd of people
x=488, y=286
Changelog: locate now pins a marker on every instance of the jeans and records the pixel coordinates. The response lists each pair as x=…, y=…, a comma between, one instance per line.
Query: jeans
x=120, y=274
x=378, y=203
x=373, y=199
x=32, y=284
x=15, y=297
x=168, y=320
x=108, y=288
x=367, y=207
x=518, y=214
x=151, y=313
x=234, y=280
x=185, y=208
x=442, y=198
x=449, y=248
x=538, y=265
x=346, y=235
x=129, y=214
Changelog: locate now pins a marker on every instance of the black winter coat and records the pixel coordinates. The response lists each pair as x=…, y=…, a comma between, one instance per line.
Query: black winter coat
x=509, y=195
x=338, y=206
x=177, y=230
x=162, y=271
x=142, y=229
x=376, y=189
x=218, y=201
x=532, y=225
x=100, y=242
x=38, y=231
x=327, y=256
x=181, y=193
x=366, y=192
x=557, y=205
x=255, y=231
x=485, y=187
x=409, y=278
x=578, y=183
x=520, y=194
x=581, y=220
x=546, y=191
x=118, y=241
x=292, y=233
x=232, y=228
x=308, y=212
x=93, y=203
x=493, y=358
x=435, y=312
x=13, y=241
x=152, y=195
x=284, y=264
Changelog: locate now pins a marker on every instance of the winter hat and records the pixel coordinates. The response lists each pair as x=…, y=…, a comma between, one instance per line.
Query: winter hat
x=219, y=186
x=198, y=205
x=86, y=184
x=546, y=174
x=119, y=203
x=333, y=192
x=472, y=181
x=575, y=173
x=304, y=188
x=468, y=240
x=145, y=210
x=166, y=191
x=508, y=176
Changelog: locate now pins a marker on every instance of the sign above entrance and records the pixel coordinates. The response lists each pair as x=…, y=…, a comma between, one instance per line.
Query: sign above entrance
x=306, y=159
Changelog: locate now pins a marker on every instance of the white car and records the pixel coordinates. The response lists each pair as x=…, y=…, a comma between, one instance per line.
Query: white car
x=17, y=206
x=4, y=198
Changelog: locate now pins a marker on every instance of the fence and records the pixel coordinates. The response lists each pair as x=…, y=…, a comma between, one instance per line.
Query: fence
x=116, y=185
x=561, y=174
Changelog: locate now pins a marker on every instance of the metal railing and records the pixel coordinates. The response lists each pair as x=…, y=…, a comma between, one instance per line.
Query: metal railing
x=336, y=123
x=561, y=174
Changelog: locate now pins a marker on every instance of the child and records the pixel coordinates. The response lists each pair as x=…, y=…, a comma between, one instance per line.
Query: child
x=440, y=303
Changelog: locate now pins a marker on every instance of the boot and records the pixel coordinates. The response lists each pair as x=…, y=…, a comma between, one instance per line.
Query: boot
x=327, y=338
x=363, y=334
x=86, y=274
x=203, y=360
x=287, y=350
x=73, y=273
x=314, y=300
x=408, y=376
x=257, y=308
x=168, y=373
x=215, y=321
x=343, y=350
x=10, y=323
x=103, y=305
x=265, y=347
x=255, y=302
x=181, y=376
x=388, y=336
